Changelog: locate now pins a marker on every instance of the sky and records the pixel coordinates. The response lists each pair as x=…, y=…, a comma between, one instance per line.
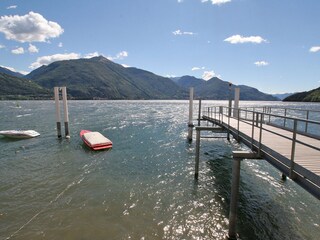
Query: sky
x=272, y=45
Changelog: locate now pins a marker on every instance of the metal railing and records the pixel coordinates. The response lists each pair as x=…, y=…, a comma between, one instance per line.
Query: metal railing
x=307, y=114
x=259, y=119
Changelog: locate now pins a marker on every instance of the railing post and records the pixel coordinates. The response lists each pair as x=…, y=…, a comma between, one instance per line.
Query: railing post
x=252, y=133
x=269, y=114
x=285, y=119
x=293, y=148
x=260, y=135
x=307, y=117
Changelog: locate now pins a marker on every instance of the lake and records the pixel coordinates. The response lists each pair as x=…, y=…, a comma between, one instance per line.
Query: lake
x=144, y=187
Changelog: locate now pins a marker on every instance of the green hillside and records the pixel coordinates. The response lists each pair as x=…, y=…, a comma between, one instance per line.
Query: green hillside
x=19, y=88
x=309, y=96
x=99, y=78
x=217, y=89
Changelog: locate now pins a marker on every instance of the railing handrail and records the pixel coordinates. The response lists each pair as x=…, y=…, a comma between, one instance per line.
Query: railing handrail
x=274, y=115
x=294, y=109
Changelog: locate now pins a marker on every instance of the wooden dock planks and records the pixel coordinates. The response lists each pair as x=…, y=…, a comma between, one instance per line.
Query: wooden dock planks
x=306, y=157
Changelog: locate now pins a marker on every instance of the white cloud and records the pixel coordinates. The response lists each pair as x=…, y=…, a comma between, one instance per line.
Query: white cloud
x=91, y=55
x=180, y=1
x=209, y=74
x=33, y=48
x=170, y=76
x=216, y=2
x=10, y=68
x=261, y=63
x=12, y=7
x=197, y=68
x=60, y=44
x=45, y=60
x=179, y=32
x=119, y=56
x=2, y=46
x=240, y=39
x=125, y=65
x=32, y=27
x=19, y=50
x=315, y=49
x=14, y=70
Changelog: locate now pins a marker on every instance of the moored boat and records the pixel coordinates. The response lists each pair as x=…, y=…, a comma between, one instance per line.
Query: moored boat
x=95, y=140
x=20, y=134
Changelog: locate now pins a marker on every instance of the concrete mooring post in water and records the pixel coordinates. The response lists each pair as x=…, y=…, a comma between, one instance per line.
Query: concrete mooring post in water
x=199, y=113
x=58, y=115
x=65, y=110
x=190, y=123
x=236, y=102
x=66, y=113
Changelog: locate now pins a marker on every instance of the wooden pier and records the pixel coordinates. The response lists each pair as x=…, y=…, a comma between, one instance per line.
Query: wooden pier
x=284, y=141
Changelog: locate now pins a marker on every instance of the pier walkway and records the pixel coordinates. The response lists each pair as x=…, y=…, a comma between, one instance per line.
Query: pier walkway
x=290, y=144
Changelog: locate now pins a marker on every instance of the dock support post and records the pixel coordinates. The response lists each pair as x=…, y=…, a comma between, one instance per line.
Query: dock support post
x=237, y=157
x=190, y=124
x=58, y=115
x=66, y=114
x=232, y=234
x=196, y=171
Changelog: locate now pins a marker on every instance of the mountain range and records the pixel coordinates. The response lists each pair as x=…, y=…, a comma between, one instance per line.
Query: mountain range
x=100, y=78
x=217, y=89
x=308, y=96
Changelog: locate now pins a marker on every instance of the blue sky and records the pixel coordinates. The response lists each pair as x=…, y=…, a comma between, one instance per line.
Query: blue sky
x=272, y=45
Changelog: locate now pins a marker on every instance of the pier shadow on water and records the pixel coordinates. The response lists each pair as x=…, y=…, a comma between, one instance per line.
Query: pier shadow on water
x=262, y=207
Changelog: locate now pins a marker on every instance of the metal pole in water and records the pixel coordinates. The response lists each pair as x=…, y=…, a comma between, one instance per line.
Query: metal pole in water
x=234, y=198
x=190, y=124
x=65, y=108
x=199, y=114
x=58, y=115
x=230, y=100
x=236, y=102
x=196, y=170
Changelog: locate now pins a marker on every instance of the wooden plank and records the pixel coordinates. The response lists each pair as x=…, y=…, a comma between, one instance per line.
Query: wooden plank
x=305, y=156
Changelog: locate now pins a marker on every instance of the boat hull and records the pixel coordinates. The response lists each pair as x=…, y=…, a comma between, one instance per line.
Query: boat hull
x=19, y=134
x=95, y=140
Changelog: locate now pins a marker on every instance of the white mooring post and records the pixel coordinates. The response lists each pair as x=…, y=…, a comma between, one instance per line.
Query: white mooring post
x=58, y=115
x=65, y=109
x=190, y=123
x=236, y=102
x=66, y=114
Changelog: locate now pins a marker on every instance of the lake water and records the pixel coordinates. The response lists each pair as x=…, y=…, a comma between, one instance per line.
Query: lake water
x=144, y=187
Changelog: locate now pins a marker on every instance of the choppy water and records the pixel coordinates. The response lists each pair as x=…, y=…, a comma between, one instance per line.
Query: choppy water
x=143, y=188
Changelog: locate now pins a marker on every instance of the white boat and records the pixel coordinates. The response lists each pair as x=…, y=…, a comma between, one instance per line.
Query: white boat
x=19, y=133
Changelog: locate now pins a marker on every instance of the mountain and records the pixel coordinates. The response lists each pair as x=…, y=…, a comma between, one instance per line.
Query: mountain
x=9, y=72
x=282, y=96
x=217, y=89
x=308, y=96
x=100, y=78
x=20, y=88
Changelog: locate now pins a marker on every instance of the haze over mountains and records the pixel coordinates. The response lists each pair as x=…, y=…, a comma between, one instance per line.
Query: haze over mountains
x=100, y=78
